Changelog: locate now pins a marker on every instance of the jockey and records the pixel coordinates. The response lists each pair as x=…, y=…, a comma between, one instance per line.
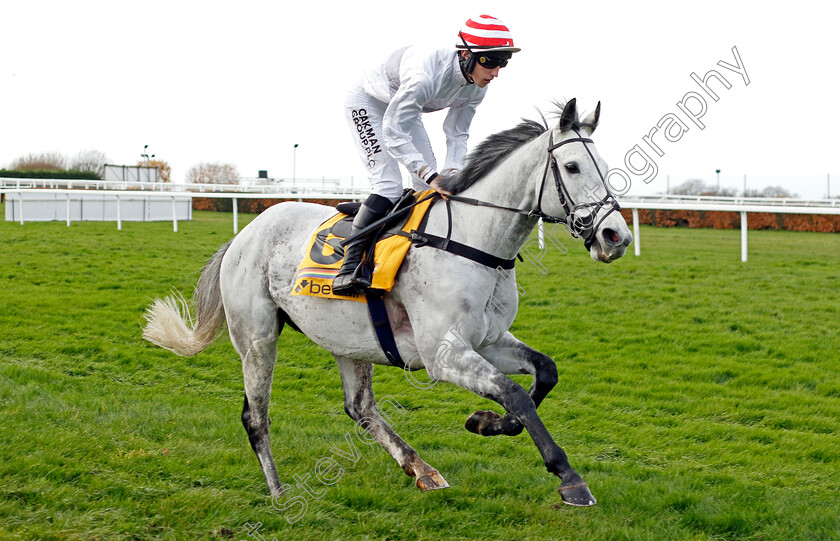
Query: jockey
x=383, y=111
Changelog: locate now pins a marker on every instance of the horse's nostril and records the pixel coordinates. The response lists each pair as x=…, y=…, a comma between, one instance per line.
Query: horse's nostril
x=612, y=236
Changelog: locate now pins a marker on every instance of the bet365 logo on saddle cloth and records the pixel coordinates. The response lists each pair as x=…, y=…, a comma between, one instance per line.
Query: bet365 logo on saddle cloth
x=324, y=255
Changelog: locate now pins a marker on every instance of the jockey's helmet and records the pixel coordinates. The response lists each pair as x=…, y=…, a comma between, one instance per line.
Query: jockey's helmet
x=488, y=41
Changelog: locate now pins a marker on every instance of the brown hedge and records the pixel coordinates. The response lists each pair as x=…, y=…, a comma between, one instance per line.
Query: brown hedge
x=822, y=223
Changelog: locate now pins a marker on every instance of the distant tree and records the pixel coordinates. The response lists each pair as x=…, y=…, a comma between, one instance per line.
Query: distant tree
x=91, y=161
x=213, y=173
x=163, y=168
x=696, y=186
x=770, y=191
x=693, y=186
x=44, y=161
x=775, y=191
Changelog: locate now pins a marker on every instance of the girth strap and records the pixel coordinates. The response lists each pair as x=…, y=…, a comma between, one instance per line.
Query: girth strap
x=376, y=304
x=382, y=327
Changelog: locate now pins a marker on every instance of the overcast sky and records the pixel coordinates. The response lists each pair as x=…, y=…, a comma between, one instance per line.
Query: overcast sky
x=243, y=82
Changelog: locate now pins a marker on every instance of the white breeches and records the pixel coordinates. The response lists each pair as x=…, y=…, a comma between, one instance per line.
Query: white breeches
x=364, y=116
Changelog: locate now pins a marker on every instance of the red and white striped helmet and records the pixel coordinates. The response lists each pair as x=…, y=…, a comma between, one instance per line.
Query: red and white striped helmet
x=485, y=33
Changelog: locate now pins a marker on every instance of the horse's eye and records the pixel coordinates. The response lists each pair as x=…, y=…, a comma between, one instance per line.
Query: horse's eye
x=572, y=168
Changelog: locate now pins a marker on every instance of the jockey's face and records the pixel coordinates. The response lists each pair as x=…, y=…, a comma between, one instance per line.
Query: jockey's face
x=481, y=75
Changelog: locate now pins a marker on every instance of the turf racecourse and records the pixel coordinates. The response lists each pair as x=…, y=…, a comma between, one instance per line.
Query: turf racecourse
x=699, y=397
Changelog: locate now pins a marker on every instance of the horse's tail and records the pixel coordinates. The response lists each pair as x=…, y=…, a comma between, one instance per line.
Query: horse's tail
x=169, y=322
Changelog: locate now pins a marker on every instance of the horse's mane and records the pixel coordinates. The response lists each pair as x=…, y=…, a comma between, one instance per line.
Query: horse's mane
x=494, y=149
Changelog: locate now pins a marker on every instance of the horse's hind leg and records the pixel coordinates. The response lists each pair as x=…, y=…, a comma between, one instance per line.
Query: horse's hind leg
x=511, y=356
x=360, y=405
x=255, y=339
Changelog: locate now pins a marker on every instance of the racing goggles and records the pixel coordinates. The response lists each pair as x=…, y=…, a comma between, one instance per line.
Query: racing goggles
x=493, y=60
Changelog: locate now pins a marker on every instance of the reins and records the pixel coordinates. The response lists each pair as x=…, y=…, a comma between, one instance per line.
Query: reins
x=578, y=226
x=396, y=213
x=579, y=218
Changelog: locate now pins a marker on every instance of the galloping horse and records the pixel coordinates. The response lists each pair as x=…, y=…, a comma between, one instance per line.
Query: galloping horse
x=442, y=302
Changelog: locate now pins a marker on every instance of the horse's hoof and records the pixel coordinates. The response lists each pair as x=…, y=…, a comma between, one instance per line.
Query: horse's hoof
x=577, y=495
x=480, y=420
x=433, y=481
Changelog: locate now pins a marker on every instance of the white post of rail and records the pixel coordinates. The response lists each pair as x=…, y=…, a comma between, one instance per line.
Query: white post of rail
x=119, y=216
x=67, y=209
x=743, y=235
x=540, y=235
x=235, y=216
x=20, y=204
x=636, y=243
x=174, y=216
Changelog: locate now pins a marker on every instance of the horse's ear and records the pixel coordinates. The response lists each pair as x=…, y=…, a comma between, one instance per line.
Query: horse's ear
x=591, y=121
x=567, y=119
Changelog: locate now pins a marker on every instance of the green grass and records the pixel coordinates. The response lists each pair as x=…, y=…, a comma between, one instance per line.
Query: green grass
x=699, y=397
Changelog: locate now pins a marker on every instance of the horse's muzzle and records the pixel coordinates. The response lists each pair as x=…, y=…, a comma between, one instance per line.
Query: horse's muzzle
x=610, y=244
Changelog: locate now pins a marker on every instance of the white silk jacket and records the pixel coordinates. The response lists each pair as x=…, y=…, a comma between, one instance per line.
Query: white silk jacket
x=414, y=81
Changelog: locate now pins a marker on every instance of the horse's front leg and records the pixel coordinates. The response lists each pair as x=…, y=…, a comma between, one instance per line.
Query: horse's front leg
x=466, y=368
x=360, y=405
x=511, y=356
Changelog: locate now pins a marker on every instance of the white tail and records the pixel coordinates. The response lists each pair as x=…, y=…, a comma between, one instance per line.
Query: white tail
x=169, y=323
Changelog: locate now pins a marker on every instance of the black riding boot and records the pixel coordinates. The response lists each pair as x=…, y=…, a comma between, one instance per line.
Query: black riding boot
x=351, y=278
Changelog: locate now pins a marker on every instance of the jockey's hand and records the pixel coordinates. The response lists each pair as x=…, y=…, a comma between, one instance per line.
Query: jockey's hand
x=436, y=182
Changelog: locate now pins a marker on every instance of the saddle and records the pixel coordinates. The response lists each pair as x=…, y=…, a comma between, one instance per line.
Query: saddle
x=387, y=240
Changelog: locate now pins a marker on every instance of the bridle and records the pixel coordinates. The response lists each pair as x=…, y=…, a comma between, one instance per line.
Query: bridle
x=580, y=217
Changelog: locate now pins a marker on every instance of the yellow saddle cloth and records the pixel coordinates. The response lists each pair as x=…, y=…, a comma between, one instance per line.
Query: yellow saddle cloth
x=324, y=254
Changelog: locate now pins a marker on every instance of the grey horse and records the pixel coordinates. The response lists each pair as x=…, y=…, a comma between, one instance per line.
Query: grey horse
x=449, y=314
